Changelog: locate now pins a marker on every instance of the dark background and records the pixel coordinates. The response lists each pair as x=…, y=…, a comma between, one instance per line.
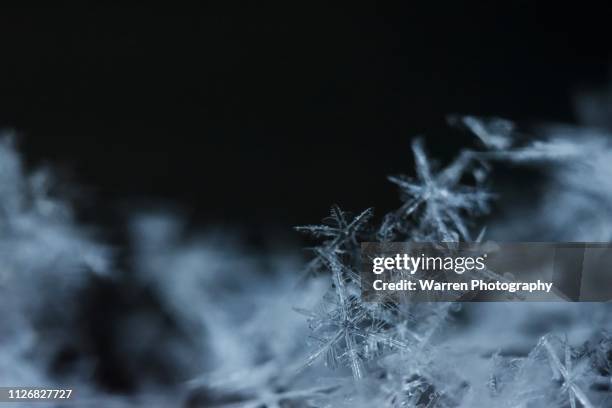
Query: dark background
x=264, y=116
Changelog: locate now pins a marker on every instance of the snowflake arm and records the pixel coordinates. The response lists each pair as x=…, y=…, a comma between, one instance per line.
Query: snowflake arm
x=341, y=234
x=566, y=373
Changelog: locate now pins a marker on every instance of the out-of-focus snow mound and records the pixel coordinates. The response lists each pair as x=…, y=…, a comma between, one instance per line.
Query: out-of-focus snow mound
x=46, y=259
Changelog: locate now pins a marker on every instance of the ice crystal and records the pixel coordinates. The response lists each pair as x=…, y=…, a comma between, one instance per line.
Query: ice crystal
x=339, y=232
x=436, y=201
x=345, y=330
x=567, y=374
x=543, y=377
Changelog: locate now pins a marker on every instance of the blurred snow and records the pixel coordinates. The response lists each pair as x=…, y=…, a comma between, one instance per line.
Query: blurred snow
x=230, y=327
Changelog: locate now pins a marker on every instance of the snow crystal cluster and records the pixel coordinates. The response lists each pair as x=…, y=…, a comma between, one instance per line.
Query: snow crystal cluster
x=242, y=329
x=420, y=355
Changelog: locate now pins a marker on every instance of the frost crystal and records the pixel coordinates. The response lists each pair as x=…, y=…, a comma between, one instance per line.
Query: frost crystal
x=345, y=330
x=339, y=234
x=437, y=202
x=567, y=374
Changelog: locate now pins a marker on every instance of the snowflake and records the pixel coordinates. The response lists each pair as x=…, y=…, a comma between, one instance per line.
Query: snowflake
x=567, y=375
x=349, y=332
x=437, y=202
